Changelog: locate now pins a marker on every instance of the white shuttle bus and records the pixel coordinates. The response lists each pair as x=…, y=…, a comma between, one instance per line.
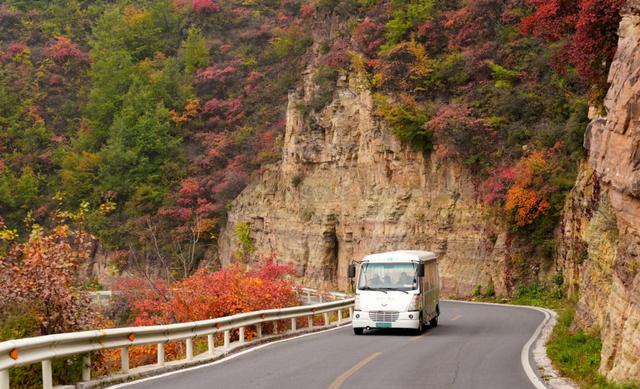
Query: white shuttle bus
x=397, y=289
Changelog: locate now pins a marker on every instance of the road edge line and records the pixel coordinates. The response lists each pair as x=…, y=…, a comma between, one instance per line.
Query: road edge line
x=227, y=357
x=550, y=376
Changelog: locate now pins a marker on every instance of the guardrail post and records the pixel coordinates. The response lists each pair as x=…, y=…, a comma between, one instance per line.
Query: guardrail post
x=189, y=349
x=160, y=354
x=275, y=327
x=326, y=318
x=86, y=367
x=124, y=359
x=351, y=313
x=310, y=319
x=210, y=344
x=227, y=338
x=339, y=315
x=4, y=379
x=293, y=324
x=47, y=374
x=308, y=297
x=259, y=330
x=241, y=334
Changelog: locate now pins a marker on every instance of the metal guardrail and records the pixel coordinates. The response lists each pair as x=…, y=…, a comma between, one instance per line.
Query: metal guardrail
x=43, y=349
x=317, y=296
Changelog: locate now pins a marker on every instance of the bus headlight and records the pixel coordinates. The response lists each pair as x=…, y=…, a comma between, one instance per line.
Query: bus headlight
x=415, y=304
x=356, y=304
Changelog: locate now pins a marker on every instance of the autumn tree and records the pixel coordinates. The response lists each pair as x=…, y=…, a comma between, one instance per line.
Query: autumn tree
x=586, y=28
x=43, y=277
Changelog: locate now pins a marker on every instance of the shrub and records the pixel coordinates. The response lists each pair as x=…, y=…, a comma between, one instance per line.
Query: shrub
x=43, y=273
x=245, y=243
x=406, y=16
x=204, y=295
x=406, y=120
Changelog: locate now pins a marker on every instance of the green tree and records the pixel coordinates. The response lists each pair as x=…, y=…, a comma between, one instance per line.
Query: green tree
x=194, y=51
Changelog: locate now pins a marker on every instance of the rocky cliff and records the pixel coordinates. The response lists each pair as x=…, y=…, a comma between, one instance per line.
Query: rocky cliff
x=346, y=187
x=600, y=254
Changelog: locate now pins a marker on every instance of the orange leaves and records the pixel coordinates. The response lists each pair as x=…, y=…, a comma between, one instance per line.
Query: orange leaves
x=526, y=203
x=207, y=294
x=191, y=110
x=529, y=196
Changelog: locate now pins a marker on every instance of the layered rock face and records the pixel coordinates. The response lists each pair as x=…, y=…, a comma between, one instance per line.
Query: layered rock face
x=601, y=231
x=346, y=187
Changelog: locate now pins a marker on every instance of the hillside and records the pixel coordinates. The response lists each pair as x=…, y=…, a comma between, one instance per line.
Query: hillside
x=177, y=135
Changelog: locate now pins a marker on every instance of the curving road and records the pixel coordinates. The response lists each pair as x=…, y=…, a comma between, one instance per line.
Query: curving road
x=474, y=346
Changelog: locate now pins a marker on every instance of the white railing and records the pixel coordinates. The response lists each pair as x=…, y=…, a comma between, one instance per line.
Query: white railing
x=43, y=349
x=310, y=296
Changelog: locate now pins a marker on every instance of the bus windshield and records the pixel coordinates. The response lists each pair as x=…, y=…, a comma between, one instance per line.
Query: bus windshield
x=388, y=276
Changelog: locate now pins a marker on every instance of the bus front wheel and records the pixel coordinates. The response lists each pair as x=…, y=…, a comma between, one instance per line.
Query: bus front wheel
x=358, y=331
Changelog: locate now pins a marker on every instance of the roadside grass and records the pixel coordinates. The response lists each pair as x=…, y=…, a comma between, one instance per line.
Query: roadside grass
x=573, y=352
x=576, y=354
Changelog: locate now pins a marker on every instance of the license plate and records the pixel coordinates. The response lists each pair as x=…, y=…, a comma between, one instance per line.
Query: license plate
x=383, y=325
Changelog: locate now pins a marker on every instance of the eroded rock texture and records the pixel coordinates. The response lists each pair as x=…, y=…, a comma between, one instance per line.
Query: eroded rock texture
x=346, y=187
x=600, y=255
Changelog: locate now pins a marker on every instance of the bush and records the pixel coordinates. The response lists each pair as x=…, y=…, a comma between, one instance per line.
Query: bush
x=406, y=120
x=204, y=295
x=406, y=16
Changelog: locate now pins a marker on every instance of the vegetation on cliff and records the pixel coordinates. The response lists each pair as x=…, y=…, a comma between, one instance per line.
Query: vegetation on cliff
x=155, y=114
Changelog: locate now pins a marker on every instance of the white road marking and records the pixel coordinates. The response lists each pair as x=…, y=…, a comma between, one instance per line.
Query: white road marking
x=524, y=354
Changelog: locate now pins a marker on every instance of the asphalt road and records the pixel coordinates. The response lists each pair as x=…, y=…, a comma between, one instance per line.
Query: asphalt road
x=474, y=346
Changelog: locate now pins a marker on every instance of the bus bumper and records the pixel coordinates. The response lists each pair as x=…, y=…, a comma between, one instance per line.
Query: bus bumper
x=405, y=320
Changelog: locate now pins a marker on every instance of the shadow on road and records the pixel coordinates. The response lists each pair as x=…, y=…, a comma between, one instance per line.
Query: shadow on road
x=394, y=332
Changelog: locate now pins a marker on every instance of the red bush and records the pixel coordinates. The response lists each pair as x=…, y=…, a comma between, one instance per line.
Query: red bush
x=369, y=35
x=63, y=50
x=205, y=6
x=207, y=295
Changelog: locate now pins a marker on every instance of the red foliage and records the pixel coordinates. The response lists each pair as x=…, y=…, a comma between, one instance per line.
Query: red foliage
x=214, y=74
x=590, y=27
x=551, y=19
x=207, y=295
x=369, y=35
x=307, y=10
x=252, y=81
x=205, y=6
x=456, y=125
x=63, y=50
x=14, y=48
x=229, y=111
x=233, y=179
x=494, y=189
x=338, y=55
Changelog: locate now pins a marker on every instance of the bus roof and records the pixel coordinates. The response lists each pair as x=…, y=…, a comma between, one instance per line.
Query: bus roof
x=400, y=256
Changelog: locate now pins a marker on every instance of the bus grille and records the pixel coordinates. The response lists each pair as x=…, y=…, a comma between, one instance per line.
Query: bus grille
x=384, y=316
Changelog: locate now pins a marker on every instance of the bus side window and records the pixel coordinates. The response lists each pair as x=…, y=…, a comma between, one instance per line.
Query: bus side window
x=427, y=276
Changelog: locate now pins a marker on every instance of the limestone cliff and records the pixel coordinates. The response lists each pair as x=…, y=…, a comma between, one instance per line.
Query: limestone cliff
x=600, y=254
x=346, y=187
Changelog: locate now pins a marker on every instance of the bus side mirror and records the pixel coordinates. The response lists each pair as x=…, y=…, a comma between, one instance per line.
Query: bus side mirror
x=420, y=270
x=351, y=272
